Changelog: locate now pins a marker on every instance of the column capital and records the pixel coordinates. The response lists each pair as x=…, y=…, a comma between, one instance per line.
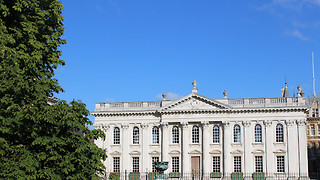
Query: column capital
x=205, y=124
x=164, y=124
x=267, y=123
x=226, y=123
x=144, y=125
x=301, y=122
x=290, y=122
x=105, y=127
x=124, y=126
x=246, y=123
x=184, y=125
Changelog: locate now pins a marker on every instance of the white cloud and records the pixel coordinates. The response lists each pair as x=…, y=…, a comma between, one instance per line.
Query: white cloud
x=170, y=96
x=109, y=100
x=298, y=34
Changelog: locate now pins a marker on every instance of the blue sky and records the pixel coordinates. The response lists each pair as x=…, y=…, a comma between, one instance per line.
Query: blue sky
x=134, y=50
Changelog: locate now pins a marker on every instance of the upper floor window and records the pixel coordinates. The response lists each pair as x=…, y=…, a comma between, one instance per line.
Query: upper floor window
x=175, y=134
x=216, y=134
x=116, y=135
x=279, y=133
x=155, y=135
x=135, y=136
x=312, y=130
x=315, y=112
x=258, y=133
x=195, y=134
x=236, y=134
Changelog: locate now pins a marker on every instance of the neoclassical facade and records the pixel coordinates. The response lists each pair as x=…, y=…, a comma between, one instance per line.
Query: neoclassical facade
x=216, y=137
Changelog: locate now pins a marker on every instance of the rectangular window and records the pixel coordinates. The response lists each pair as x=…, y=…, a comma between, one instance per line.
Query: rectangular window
x=319, y=130
x=237, y=163
x=258, y=164
x=312, y=130
x=280, y=164
x=175, y=164
x=315, y=112
x=116, y=164
x=135, y=164
x=154, y=160
x=216, y=164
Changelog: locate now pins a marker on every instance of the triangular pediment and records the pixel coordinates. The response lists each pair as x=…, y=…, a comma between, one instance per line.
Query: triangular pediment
x=195, y=102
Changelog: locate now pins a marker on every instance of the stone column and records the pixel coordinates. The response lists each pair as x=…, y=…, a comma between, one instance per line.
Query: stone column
x=186, y=168
x=302, y=140
x=145, y=134
x=165, y=142
x=125, y=145
x=248, y=163
x=205, y=148
x=106, y=130
x=292, y=146
x=269, y=139
x=227, y=140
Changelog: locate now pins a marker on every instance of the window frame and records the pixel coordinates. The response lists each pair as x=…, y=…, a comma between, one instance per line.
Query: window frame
x=237, y=167
x=155, y=135
x=236, y=133
x=116, y=164
x=175, y=135
x=216, y=134
x=135, y=164
x=312, y=130
x=175, y=161
x=216, y=164
x=135, y=135
x=279, y=133
x=280, y=164
x=116, y=135
x=195, y=137
x=258, y=133
x=258, y=163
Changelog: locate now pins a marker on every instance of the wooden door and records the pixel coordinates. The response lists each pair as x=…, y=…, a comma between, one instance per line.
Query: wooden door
x=195, y=165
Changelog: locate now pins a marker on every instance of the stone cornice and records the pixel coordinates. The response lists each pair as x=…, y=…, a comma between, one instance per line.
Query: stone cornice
x=199, y=111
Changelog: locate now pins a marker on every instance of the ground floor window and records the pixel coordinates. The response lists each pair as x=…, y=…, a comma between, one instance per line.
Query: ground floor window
x=280, y=164
x=258, y=163
x=135, y=164
x=216, y=164
x=116, y=164
x=175, y=164
x=237, y=163
x=154, y=160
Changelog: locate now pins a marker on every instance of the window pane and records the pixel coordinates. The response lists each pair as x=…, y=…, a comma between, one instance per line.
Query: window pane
x=155, y=135
x=236, y=134
x=135, y=164
x=258, y=133
x=280, y=164
x=279, y=133
x=154, y=160
x=237, y=163
x=312, y=130
x=258, y=164
x=116, y=164
x=216, y=164
x=216, y=134
x=175, y=134
x=135, y=135
x=116, y=135
x=195, y=134
x=175, y=164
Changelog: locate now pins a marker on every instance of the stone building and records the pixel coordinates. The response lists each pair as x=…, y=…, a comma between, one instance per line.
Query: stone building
x=213, y=137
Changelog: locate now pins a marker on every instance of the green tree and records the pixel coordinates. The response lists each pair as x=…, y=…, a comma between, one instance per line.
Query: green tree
x=39, y=141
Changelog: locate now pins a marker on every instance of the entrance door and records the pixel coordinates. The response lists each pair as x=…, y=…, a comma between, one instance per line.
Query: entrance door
x=195, y=165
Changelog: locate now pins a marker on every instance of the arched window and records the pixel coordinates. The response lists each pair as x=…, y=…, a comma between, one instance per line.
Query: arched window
x=279, y=133
x=135, y=136
x=216, y=134
x=175, y=134
x=116, y=135
x=258, y=133
x=155, y=135
x=236, y=134
x=195, y=134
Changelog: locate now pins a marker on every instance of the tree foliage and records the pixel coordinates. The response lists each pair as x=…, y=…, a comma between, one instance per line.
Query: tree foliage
x=37, y=140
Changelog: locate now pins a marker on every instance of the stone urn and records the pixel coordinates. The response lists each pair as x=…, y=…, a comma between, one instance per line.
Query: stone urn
x=161, y=167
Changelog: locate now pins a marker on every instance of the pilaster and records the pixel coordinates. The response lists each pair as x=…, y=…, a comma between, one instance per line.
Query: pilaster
x=125, y=141
x=185, y=147
x=205, y=147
